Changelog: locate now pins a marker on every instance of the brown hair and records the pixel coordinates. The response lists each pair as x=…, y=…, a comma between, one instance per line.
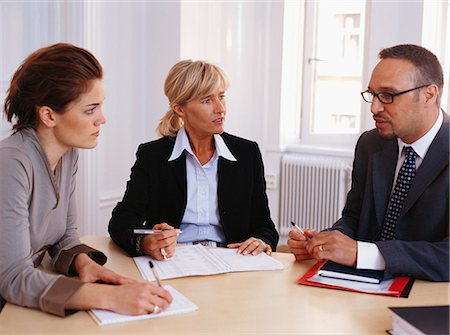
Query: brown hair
x=428, y=68
x=53, y=76
x=188, y=80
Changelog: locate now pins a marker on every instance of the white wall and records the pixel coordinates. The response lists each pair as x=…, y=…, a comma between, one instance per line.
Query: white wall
x=138, y=41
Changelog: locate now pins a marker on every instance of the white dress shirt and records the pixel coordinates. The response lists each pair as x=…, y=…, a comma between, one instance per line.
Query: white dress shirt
x=201, y=219
x=369, y=256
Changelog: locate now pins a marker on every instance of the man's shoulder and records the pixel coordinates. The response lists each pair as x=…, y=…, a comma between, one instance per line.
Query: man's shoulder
x=371, y=140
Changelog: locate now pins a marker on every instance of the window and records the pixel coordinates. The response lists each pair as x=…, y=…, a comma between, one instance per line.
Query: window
x=335, y=64
x=332, y=64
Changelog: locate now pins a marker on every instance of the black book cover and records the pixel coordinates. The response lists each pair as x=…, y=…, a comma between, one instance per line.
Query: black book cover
x=335, y=267
x=428, y=319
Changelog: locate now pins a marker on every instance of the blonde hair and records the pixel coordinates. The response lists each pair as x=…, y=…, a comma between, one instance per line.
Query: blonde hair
x=188, y=80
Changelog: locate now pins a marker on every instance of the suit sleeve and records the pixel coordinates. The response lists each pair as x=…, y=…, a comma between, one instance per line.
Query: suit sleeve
x=130, y=212
x=420, y=259
x=348, y=223
x=262, y=225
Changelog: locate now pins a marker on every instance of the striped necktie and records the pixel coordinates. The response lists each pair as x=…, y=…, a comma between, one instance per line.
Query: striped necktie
x=402, y=185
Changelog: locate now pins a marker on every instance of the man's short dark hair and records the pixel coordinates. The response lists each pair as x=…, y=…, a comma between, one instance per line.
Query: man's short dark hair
x=428, y=68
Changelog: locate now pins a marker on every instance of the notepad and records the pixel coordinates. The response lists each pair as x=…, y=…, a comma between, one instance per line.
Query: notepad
x=334, y=270
x=196, y=260
x=179, y=305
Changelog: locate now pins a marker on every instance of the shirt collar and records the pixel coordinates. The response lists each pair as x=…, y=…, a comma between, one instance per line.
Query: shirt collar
x=182, y=143
x=422, y=144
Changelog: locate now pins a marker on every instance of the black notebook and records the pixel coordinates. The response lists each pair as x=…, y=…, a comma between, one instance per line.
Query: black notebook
x=333, y=270
x=430, y=320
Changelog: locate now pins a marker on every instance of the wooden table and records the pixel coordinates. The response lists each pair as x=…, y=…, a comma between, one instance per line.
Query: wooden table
x=268, y=302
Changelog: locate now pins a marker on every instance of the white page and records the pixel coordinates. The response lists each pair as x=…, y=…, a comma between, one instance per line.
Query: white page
x=188, y=260
x=238, y=262
x=382, y=287
x=179, y=305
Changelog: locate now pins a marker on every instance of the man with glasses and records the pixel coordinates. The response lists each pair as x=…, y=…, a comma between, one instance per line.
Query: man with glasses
x=396, y=217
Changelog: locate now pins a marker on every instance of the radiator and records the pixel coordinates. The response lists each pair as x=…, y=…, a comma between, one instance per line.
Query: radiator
x=313, y=190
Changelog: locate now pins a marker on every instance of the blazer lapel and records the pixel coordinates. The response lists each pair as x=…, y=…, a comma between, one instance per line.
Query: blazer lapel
x=434, y=162
x=384, y=163
x=227, y=179
x=177, y=168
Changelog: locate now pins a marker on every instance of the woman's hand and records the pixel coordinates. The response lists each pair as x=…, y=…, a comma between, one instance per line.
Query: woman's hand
x=138, y=298
x=91, y=272
x=252, y=246
x=156, y=244
x=134, y=298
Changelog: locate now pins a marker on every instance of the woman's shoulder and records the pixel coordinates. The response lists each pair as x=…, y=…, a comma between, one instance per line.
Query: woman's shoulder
x=160, y=147
x=238, y=144
x=15, y=153
x=15, y=145
x=233, y=139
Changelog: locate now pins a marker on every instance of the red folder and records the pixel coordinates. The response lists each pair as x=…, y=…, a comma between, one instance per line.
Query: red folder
x=400, y=287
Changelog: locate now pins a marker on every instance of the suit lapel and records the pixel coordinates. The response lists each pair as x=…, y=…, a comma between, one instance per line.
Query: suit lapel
x=434, y=162
x=227, y=181
x=384, y=163
x=177, y=169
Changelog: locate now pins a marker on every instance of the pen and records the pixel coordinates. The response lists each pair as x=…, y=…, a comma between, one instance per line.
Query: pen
x=146, y=231
x=299, y=229
x=155, y=274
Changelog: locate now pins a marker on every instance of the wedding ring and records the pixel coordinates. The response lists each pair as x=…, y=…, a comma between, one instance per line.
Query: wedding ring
x=155, y=309
x=320, y=247
x=164, y=253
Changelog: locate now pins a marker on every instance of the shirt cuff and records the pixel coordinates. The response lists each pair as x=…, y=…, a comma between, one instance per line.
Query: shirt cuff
x=369, y=257
x=55, y=300
x=66, y=258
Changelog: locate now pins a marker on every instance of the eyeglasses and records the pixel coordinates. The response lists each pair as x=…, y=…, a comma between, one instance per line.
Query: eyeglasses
x=385, y=98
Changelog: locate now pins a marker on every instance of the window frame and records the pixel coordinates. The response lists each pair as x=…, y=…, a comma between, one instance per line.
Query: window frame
x=296, y=120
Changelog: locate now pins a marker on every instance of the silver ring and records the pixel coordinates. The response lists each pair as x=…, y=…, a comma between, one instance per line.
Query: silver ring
x=320, y=247
x=164, y=253
x=156, y=309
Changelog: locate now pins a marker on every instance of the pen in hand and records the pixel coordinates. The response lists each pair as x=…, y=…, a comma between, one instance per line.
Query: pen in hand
x=299, y=229
x=155, y=274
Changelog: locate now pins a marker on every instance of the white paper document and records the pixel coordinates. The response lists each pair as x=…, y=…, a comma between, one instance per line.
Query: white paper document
x=196, y=260
x=382, y=287
x=179, y=305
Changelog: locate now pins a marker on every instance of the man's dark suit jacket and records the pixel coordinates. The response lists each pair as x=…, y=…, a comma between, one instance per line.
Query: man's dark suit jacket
x=421, y=248
x=157, y=192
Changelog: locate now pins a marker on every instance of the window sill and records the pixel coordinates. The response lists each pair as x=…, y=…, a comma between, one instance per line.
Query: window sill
x=321, y=150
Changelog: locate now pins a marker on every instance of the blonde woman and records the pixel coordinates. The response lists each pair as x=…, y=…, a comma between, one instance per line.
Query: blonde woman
x=196, y=178
x=55, y=104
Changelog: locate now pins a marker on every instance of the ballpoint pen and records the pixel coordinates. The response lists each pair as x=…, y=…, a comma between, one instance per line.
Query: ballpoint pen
x=299, y=229
x=144, y=231
x=155, y=274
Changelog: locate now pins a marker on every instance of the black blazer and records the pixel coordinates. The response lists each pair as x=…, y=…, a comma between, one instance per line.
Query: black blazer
x=421, y=248
x=157, y=192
